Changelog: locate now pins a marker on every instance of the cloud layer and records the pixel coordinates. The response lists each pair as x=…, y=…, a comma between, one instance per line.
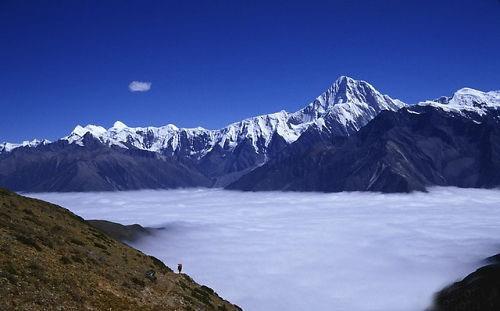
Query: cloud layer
x=139, y=86
x=311, y=251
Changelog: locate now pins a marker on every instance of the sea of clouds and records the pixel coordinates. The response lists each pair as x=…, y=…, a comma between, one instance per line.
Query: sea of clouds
x=310, y=251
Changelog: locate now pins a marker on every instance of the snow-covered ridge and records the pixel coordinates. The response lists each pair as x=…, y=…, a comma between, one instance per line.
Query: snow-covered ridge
x=169, y=138
x=346, y=106
x=7, y=147
x=467, y=100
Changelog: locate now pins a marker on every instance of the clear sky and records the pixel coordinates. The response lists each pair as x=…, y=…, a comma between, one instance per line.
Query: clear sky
x=213, y=62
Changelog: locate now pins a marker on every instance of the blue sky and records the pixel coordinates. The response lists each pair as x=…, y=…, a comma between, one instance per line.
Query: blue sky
x=210, y=63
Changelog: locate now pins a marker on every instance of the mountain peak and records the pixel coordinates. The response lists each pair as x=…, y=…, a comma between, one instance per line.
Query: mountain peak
x=474, y=94
x=79, y=130
x=346, y=89
x=344, y=84
x=347, y=102
x=344, y=79
x=119, y=125
x=467, y=99
x=93, y=129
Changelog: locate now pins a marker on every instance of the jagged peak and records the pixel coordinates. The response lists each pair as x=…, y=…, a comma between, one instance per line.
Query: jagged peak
x=344, y=79
x=346, y=83
x=78, y=129
x=348, y=99
x=347, y=90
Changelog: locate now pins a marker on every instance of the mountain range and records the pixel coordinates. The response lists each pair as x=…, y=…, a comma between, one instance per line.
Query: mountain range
x=351, y=137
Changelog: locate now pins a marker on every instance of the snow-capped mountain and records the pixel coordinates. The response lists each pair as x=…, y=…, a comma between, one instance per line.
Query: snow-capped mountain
x=192, y=142
x=348, y=105
x=224, y=155
x=467, y=100
x=447, y=141
x=452, y=141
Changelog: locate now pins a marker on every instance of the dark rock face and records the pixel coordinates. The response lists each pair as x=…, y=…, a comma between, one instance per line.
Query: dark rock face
x=479, y=291
x=93, y=167
x=399, y=151
x=225, y=166
x=220, y=161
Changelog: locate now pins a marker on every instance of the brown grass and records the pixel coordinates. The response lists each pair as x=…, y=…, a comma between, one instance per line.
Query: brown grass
x=51, y=258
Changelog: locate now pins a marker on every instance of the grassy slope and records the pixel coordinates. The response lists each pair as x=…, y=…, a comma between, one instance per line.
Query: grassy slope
x=52, y=258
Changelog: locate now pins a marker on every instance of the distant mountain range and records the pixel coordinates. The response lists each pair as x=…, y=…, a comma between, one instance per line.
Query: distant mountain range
x=351, y=137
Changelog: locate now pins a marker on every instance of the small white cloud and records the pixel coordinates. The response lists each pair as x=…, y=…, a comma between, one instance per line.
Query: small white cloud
x=139, y=86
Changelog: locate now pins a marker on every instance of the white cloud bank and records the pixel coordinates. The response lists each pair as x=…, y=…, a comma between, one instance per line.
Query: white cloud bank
x=139, y=86
x=311, y=251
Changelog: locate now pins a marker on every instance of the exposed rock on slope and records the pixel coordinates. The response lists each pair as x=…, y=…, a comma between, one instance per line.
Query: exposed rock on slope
x=50, y=259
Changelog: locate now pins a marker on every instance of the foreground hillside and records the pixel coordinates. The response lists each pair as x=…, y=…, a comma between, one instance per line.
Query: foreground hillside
x=51, y=258
x=479, y=291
